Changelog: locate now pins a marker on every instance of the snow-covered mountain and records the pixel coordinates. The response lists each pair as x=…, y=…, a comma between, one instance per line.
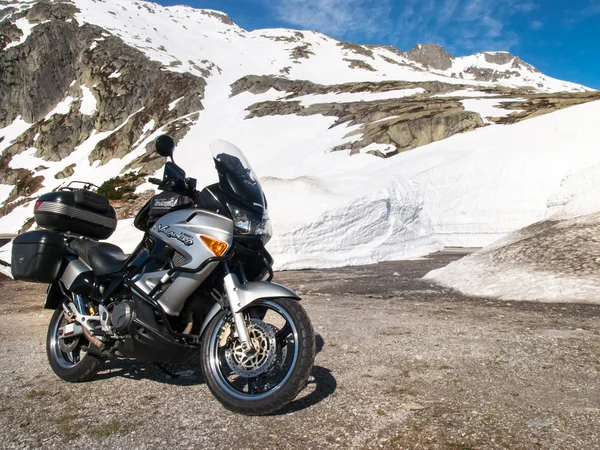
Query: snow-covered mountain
x=86, y=87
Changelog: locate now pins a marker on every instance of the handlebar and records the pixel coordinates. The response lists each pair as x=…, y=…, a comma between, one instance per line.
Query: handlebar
x=154, y=181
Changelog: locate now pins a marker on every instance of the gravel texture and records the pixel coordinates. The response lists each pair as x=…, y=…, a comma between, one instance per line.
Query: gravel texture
x=402, y=363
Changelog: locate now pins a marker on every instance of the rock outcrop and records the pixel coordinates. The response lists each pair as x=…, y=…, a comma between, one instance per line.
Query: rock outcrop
x=431, y=55
x=66, y=172
x=413, y=121
x=296, y=88
x=536, y=105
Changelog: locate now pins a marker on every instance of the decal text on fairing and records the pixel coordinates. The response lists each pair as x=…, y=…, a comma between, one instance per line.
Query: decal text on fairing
x=182, y=237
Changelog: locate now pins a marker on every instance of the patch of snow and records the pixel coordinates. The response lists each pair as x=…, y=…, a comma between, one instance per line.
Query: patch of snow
x=5, y=190
x=62, y=107
x=149, y=126
x=12, y=131
x=347, y=97
x=174, y=103
x=514, y=268
x=26, y=27
x=88, y=102
x=488, y=107
x=26, y=160
x=383, y=148
x=115, y=74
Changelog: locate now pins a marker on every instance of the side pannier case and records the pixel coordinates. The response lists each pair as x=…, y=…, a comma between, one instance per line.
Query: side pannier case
x=78, y=211
x=37, y=256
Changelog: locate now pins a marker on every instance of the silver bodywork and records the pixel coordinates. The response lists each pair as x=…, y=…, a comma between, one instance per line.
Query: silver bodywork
x=73, y=269
x=181, y=230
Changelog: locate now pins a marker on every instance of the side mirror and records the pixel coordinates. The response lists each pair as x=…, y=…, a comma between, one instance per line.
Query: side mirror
x=165, y=145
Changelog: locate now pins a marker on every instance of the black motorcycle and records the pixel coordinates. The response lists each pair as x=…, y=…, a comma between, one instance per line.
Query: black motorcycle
x=198, y=284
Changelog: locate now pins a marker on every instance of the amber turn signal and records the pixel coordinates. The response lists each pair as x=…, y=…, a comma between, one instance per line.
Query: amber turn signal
x=214, y=245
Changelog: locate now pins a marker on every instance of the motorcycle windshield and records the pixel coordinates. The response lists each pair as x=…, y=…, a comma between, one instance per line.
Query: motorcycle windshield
x=236, y=177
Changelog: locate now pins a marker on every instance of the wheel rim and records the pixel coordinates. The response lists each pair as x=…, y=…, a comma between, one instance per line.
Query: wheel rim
x=273, y=379
x=65, y=359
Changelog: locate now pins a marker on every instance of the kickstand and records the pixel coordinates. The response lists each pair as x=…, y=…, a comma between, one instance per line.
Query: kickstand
x=166, y=371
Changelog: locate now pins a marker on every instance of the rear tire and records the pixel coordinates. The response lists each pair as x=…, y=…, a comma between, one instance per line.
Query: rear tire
x=76, y=365
x=286, y=366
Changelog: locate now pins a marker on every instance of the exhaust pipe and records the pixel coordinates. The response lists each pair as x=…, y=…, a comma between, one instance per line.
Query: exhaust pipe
x=93, y=339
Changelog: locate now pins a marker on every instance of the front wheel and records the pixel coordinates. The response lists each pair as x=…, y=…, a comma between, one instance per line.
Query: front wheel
x=275, y=373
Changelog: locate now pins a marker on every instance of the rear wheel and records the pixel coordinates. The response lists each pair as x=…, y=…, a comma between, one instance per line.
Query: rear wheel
x=66, y=356
x=275, y=373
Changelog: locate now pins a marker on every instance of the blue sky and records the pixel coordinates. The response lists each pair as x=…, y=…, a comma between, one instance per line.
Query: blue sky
x=561, y=38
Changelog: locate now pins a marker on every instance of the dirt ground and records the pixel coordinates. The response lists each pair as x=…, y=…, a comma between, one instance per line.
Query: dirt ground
x=402, y=363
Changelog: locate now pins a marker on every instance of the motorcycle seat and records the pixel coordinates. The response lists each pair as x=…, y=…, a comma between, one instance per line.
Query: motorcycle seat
x=102, y=257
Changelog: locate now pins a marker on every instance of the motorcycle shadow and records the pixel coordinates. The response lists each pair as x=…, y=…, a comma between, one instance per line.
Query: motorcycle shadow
x=140, y=370
x=321, y=382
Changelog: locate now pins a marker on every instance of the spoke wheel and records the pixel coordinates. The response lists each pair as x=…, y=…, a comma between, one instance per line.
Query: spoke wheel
x=274, y=372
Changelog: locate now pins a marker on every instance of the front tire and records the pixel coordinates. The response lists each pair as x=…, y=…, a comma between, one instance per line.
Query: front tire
x=284, y=341
x=66, y=358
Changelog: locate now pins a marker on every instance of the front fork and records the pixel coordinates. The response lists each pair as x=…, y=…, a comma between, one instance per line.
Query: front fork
x=232, y=284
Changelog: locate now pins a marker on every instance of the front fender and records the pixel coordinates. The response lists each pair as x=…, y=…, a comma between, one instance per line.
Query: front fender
x=241, y=295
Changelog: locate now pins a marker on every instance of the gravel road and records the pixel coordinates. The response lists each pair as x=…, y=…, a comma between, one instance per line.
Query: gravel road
x=402, y=363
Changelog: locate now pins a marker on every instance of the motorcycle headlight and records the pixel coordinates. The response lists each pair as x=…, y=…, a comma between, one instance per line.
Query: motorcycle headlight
x=249, y=222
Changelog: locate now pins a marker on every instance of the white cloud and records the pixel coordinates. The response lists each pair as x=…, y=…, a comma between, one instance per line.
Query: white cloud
x=335, y=17
x=536, y=24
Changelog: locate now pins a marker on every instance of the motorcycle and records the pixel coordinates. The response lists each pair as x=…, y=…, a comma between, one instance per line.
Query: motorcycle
x=198, y=285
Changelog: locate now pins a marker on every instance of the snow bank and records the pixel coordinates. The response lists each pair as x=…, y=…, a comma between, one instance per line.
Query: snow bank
x=557, y=260
x=384, y=225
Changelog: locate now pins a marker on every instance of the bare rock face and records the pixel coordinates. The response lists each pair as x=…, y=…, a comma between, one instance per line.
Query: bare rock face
x=411, y=125
x=359, y=64
x=500, y=58
x=61, y=61
x=487, y=74
x=60, y=134
x=537, y=105
x=224, y=18
x=301, y=52
x=358, y=49
x=36, y=74
x=431, y=55
x=66, y=172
